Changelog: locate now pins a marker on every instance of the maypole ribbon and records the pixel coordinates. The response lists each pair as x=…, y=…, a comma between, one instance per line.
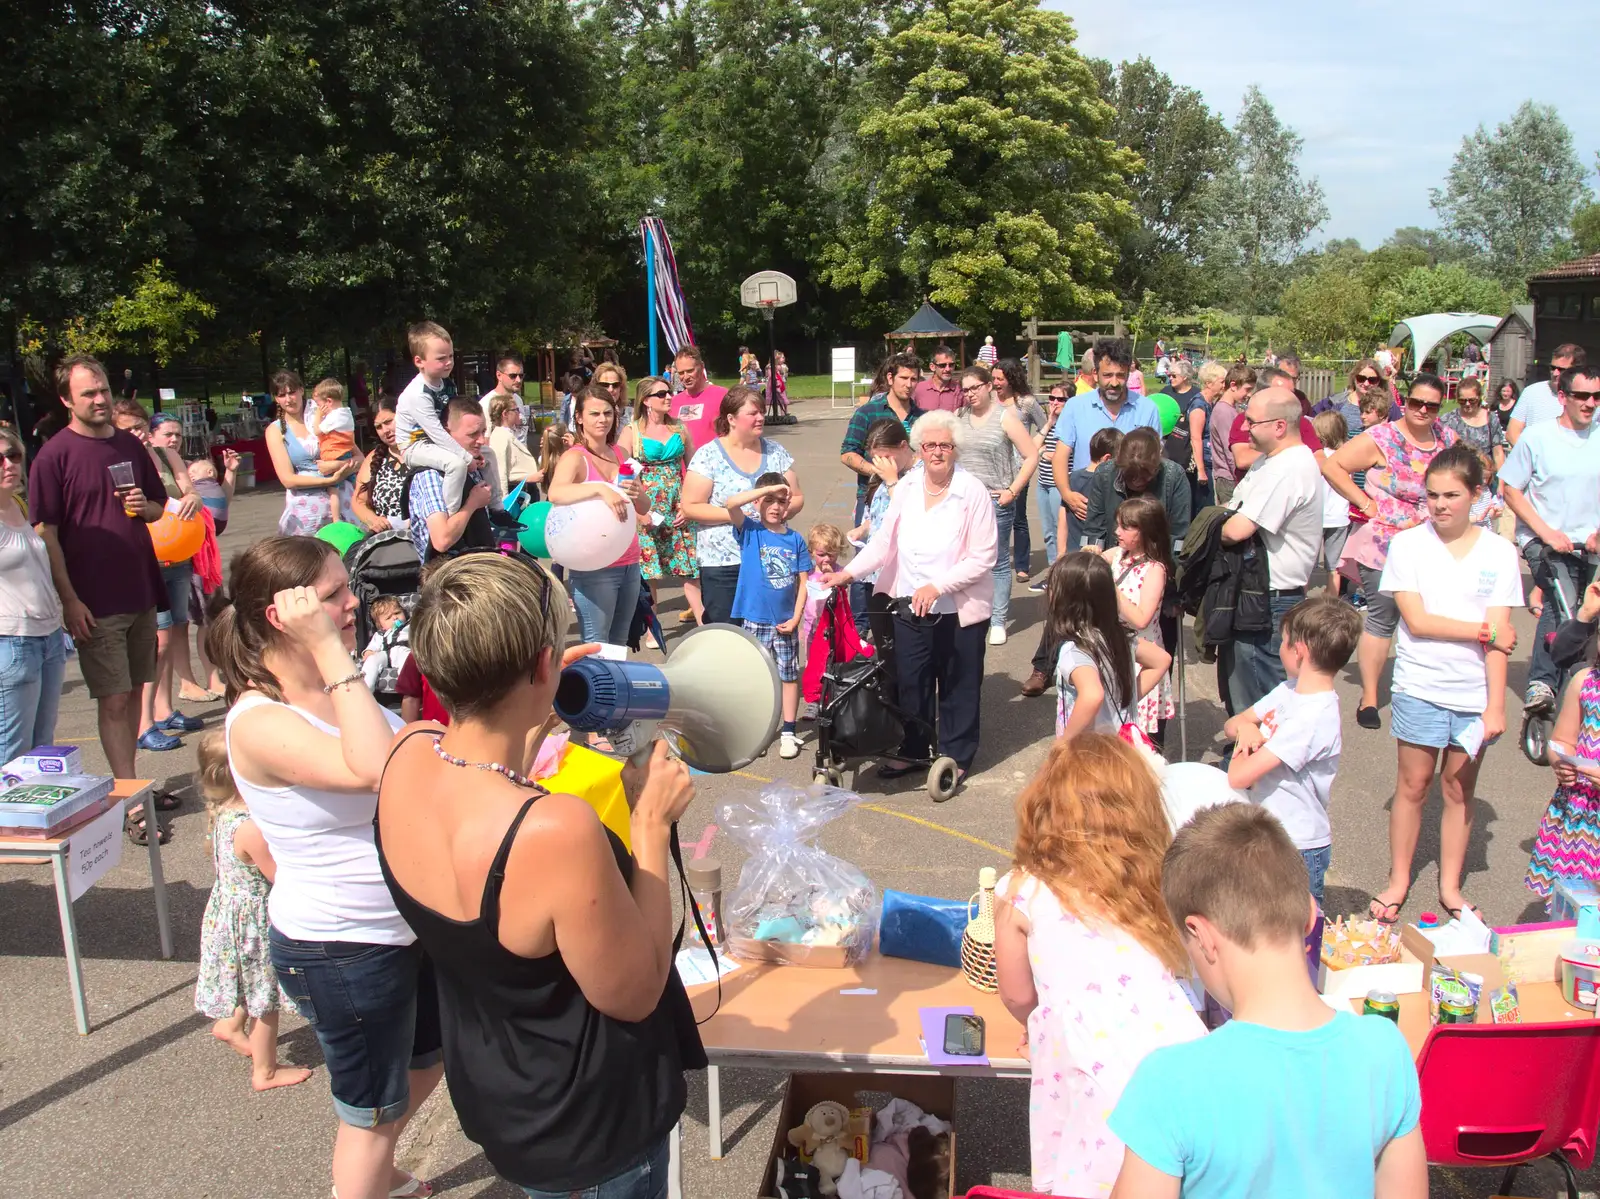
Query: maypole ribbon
x=671, y=309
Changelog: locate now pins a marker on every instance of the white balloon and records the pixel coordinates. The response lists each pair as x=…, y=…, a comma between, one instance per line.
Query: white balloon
x=587, y=535
x=1186, y=787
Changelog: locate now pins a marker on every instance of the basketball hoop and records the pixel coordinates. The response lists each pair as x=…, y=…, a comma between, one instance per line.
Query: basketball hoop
x=768, y=291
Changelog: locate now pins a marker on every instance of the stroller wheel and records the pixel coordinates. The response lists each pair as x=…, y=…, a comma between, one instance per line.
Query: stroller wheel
x=1535, y=738
x=942, y=779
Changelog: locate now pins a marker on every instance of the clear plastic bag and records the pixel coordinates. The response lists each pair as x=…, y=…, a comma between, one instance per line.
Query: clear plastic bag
x=794, y=902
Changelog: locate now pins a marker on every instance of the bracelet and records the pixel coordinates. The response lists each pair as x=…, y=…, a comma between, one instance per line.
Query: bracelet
x=357, y=677
x=1485, y=633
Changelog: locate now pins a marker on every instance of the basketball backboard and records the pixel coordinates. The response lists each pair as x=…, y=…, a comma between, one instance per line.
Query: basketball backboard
x=767, y=289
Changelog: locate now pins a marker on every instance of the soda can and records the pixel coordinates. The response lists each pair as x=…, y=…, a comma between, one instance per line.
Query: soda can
x=1381, y=1003
x=1452, y=1012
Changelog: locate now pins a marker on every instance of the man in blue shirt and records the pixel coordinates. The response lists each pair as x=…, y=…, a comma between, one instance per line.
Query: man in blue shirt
x=1108, y=406
x=904, y=371
x=435, y=529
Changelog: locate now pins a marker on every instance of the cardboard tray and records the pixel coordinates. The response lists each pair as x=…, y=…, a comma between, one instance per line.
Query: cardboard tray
x=1405, y=977
x=934, y=1094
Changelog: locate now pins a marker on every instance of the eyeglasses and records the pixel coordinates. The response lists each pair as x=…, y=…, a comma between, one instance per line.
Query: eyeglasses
x=1366, y=378
x=512, y=374
x=974, y=389
x=1424, y=405
x=943, y=366
x=614, y=383
x=1591, y=396
x=938, y=447
x=656, y=395
x=12, y=455
x=1265, y=420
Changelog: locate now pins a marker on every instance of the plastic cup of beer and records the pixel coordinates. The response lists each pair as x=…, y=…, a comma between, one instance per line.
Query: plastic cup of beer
x=122, y=481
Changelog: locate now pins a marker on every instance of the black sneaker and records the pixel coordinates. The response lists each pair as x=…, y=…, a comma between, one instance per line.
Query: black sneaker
x=1368, y=718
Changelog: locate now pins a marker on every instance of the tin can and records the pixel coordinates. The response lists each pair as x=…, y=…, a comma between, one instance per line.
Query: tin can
x=1381, y=1003
x=1452, y=1012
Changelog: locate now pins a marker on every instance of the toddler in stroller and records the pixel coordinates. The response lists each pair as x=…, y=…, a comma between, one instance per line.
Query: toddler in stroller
x=388, y=650
x=384, y=567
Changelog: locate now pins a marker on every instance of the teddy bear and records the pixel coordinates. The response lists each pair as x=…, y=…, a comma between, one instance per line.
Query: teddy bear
x=818, y=1139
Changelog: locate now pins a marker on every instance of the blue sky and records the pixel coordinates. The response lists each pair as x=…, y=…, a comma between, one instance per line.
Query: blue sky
x=1382, y=93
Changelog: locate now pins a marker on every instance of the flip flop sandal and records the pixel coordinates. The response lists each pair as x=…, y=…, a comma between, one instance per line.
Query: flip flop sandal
x=168, y=801
x=413, y=1188
x=1455, y=913
x=134, y=827
x=1386, y=913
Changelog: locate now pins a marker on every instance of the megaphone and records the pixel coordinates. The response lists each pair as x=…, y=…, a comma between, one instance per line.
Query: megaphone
x=716, y=700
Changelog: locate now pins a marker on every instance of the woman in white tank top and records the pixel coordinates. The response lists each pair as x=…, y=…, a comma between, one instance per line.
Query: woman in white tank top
x=307, y=744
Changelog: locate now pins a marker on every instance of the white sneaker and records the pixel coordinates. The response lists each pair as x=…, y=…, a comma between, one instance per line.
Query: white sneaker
x=789, y=746
x=997, y=635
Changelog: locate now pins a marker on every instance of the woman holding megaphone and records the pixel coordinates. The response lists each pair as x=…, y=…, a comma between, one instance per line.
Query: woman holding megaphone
x=566, y=1030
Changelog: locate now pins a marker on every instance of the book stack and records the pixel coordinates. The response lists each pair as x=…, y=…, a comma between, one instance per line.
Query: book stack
x=41, y=806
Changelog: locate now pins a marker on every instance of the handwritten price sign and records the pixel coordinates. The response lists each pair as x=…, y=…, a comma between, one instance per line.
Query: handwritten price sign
x=95, y=848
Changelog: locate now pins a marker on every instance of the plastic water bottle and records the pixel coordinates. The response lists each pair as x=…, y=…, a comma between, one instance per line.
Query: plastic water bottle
x=705, y=888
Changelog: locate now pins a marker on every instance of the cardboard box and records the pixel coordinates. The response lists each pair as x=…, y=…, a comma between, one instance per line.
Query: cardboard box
x=933, y=1093
x=43, y=759
x=1402, y=978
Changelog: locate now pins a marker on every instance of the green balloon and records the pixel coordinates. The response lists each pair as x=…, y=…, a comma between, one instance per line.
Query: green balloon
x=532, y=536
x=341, y=534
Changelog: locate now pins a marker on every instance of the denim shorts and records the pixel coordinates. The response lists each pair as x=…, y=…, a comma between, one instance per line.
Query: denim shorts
x=375, y=1011
x=176, y=577
x=645, y=1178
x=1422, y=722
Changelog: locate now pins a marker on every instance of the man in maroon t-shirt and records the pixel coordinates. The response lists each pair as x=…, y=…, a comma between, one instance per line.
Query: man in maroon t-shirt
x=101, y=558
x=700, y=401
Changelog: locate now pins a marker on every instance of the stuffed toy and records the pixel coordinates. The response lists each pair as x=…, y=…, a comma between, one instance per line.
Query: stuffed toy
x=819, y=1140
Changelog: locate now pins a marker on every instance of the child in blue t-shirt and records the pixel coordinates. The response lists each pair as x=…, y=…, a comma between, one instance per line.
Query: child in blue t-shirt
x=1288, y=1097
x=771, y=596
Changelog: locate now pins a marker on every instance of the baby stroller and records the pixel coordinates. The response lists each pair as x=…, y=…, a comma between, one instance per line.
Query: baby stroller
x=859, y=716
x=1536, y=725
x=383, y=564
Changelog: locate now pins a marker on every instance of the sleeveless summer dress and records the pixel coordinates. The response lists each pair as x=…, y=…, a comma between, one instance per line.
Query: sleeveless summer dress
x=1568, y=842
x=665, y=551
x=234, y=968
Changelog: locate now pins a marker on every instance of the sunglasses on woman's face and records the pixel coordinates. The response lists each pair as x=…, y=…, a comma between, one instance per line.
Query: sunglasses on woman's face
x=1368, y=379
x=656, y=395
x=1424, y=405
x=12, y=455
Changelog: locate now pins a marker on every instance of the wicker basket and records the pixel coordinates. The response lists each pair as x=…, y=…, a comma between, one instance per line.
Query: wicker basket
x=977, y=942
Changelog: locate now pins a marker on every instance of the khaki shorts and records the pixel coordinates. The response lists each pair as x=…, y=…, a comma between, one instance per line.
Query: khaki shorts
x=120, y=654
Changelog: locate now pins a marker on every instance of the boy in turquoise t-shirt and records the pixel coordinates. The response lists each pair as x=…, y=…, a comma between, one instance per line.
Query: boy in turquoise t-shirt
x=1289, y=1097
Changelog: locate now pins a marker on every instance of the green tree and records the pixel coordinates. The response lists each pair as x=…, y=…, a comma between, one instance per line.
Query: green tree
x=1448, y=288
x=1263, y=209
x=981, y=173
x=1330, y=308
x=1182, y=147
x=1586, y=229
x=1510, y=195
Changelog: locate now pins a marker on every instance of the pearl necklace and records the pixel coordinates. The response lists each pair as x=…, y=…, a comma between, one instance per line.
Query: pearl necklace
x=932, y=494
x=520, y=780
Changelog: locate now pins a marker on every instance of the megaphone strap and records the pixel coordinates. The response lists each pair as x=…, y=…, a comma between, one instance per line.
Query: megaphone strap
x=692, y=909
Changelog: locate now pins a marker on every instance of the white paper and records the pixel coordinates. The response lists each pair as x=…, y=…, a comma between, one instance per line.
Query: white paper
x=97, y=847
x=1471, y=737
x=858, y=990
x=694, y=966
x=612, y=653
x=1465, y=934
x=817, y=591
x=860, y=545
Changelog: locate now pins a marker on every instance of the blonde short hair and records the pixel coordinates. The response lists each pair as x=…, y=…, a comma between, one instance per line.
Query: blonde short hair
x=1211, y=371
x=932, y=422
x=481, y=626
x=420, y=334
x=500, y=407
x=329, y=391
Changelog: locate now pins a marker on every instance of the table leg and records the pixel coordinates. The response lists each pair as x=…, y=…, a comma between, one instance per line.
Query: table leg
x=158, y=879
x=69, y=943
x=714, y=1110
x=675, y=1162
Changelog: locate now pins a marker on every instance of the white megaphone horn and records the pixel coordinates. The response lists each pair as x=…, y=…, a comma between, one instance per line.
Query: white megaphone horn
x=716, y=699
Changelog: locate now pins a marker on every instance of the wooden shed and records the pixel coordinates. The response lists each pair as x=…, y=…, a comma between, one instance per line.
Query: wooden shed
x=1566, y=308
x=1511, y=348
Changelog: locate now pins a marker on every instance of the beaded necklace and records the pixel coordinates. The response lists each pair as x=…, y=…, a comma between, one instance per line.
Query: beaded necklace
x=520, y=780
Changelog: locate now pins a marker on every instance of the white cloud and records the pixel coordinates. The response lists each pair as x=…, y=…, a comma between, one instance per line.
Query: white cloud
x=1381, y=93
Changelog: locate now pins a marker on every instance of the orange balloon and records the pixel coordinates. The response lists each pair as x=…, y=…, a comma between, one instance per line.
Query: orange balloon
x=177, y=540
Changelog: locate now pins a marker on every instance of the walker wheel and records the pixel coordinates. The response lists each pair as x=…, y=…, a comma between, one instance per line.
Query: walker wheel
x=829, y=776
x=943, y=779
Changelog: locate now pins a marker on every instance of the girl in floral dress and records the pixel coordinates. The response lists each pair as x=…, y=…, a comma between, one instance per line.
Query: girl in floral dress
x=1141, y=564
x=1568, y=842
x=660, y=444
x=236, y=984
x=1088, y=959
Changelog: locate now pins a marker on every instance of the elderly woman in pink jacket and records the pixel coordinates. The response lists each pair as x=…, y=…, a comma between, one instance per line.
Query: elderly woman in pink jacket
x=935, y=551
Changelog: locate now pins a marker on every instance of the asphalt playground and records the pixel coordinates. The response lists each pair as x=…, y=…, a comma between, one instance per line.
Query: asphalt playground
x=150, y=1104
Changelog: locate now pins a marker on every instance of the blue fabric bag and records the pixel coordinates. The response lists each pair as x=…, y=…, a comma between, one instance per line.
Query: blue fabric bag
x=922, y=928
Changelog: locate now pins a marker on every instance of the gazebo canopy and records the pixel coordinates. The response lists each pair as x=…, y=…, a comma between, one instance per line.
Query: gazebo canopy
x=928, y=322
x=1426, y=332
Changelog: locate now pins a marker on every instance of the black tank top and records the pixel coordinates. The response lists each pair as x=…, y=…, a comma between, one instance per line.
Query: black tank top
x=559, y=1096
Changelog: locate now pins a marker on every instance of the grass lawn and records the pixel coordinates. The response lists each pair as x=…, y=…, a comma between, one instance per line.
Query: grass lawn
x=811, y=387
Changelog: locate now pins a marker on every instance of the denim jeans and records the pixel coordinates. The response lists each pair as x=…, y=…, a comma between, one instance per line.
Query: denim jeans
x=1254, y=667
x=1021, y=538
x=1316, y=861
x=1199, y=494
x=1003, y=516
x=1574, y=573
x=607, y=599
x=645, y=1178
x=31, y=669
x=1049, y=500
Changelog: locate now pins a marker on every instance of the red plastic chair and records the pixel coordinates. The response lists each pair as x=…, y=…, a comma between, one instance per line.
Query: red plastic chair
x=1508, y=1094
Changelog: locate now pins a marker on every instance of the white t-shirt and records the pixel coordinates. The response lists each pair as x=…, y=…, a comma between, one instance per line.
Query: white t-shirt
x=1449, y=673
x=1303, y=732
x=329, y=885
x=1536, y=404
x=1281, y=495
x=1108, y=719
x=1335, y=508
x=1558, y=469
x=335, y=420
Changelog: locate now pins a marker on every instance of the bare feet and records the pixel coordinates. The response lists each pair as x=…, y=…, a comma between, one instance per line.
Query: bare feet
x=231, y=1033
x=278, y=1076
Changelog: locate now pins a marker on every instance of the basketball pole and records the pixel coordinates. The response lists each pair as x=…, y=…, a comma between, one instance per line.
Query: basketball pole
x=771, y=310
